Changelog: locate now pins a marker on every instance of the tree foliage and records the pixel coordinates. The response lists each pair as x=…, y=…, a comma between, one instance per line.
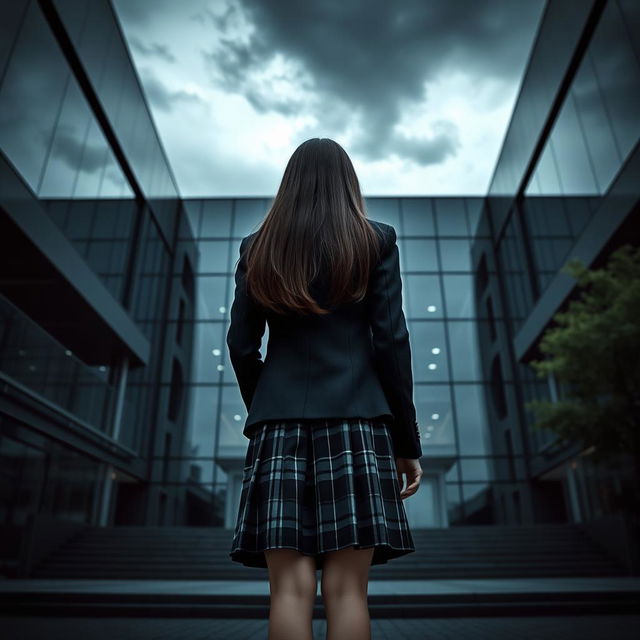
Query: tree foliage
x=593, y=350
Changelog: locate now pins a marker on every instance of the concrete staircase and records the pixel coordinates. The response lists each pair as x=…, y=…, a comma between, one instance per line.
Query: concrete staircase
x=201, y=553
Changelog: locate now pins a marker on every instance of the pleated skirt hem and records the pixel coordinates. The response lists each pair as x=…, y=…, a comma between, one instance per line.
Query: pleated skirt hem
x=382, y=554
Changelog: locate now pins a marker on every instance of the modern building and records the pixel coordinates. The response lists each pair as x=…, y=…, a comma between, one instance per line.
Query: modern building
x=566, y=185
x=118, y=404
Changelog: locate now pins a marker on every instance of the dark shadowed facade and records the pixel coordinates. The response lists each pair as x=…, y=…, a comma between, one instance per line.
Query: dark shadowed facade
x=118, y=404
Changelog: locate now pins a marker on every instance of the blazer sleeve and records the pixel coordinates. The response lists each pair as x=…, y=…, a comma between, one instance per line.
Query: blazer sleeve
x=244, y=336
x=392, y=351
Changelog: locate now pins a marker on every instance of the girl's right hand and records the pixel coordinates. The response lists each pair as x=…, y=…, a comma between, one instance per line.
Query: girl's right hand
x=412, y=470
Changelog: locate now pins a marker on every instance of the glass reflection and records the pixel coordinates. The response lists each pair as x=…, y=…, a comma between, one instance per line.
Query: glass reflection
x=519, y=296
x=423, y=298
x=465, y=362
x=417, y=216
x=102, y=232
x=216, y=219
x=455, y=255
x=434, y=415
x=208, y=352
x=36, y=69
x=248, y=215
x=232, y=417
x=32, y=358
x=55, y=144
x=472, y=420
x=213, y=256
x=618, y=70
x=23, y=473
x=384, y=210
x=419, y=255
x=201, y=432
x=458, y=291
x=428, y=351
x=598, y=124
x=451, y=216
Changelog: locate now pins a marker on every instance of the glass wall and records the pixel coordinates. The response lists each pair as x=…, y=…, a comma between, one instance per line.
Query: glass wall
x=512, y=257
x=102, y=231
x=47, y=129
x=151, y=286
x=596, y=129
x=96, y=35
x=32, y=358
x=217, y=411
x=434, y=237
x=598, y=124
x=43, y=476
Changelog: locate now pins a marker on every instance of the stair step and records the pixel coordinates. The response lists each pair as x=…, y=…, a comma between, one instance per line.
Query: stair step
x=203, y=553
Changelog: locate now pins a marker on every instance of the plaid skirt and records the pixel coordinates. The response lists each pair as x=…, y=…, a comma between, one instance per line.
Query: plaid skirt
x=319, y=486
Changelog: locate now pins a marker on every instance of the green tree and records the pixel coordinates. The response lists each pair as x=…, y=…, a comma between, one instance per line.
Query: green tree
x=593, y=350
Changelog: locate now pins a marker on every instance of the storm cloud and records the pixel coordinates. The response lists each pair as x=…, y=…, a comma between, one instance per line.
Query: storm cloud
x=414, y=83
x=372, y=56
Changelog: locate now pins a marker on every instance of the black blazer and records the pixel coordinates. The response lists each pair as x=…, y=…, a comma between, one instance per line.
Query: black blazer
x=352, y=362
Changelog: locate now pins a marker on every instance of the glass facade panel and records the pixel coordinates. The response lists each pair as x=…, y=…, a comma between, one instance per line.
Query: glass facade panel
x=201, y=434
x=153, y=278
x=232, y=416
x=31, y=357
x=419, y=255
x=617, y=68
x=193, y=209
x=473, y=429
x=27, y=122
x=451, y=216
x=519, y=296
x=575, y=171
x=598, y=124
x=43, y=476
x=385, y=210
x=22, y=473
x=209, y=348
x=214, y=256
x=71, y=489
x=422, y=297
x=434, y=414
x=55, y=144
x=429, y=352
x=248, y=216
x=475, y=207
x=212, y=292
x=455, y=255
x=553, y=225
x=458, y=294
x=465, y=362
x=216, y=219
x=417, y=217
x=138, y=410
x=102, y=231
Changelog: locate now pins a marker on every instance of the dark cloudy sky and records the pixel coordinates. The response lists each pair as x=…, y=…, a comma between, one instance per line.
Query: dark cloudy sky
x=418, y=92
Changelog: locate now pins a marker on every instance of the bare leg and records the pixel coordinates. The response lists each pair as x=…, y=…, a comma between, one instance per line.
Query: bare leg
x=293, y=585
x=345, y=579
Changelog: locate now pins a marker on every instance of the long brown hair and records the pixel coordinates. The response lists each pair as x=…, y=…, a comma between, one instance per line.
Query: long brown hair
x=317, y=221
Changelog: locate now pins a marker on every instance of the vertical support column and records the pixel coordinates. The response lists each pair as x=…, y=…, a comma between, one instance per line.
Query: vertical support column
x=108, y=473
x=572, y=494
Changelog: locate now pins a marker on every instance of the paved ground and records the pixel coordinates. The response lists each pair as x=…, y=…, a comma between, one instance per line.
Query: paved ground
x=516, y=628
